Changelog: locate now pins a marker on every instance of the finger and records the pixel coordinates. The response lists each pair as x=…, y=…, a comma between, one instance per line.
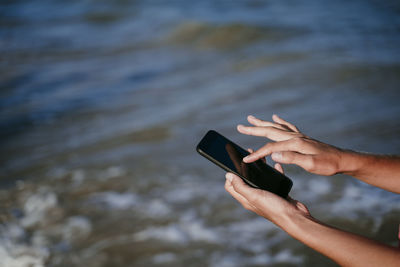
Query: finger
x=257, y=122
x=250, y=194
x=270, y=132
x=252, y=151
x=279, y=120
x=229, y=188
x=290, y=157
x=287, y=145
x=279, y=168
x=241, y=187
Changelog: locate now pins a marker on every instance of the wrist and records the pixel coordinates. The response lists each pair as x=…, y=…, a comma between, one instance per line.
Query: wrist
x=297, y=223
x=294, y=219
x=350, y=162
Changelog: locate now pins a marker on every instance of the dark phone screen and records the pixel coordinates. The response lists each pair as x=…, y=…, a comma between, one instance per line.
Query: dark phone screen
x=257, y=174
x=227, y=153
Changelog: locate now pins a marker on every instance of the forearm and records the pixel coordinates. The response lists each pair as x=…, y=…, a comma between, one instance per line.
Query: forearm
x=378, y=170
x=344, y=248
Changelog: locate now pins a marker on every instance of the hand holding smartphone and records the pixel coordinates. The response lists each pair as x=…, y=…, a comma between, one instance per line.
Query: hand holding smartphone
x=229, y=156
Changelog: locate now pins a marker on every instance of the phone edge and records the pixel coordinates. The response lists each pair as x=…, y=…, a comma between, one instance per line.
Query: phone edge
x=204, y=154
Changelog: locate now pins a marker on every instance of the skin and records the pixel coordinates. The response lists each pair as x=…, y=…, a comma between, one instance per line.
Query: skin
x=293, y=147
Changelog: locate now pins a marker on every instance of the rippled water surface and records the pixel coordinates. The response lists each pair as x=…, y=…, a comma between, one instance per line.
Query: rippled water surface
x=103, y=102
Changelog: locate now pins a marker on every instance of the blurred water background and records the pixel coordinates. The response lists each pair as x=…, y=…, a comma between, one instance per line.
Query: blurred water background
x=103, y=102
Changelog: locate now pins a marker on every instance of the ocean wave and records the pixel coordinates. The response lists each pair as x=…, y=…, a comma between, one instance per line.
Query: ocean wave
x=227, y=36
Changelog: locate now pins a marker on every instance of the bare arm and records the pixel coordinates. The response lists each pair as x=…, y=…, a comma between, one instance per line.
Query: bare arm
x=293, y=147
x=378, y=170
x=344, y=248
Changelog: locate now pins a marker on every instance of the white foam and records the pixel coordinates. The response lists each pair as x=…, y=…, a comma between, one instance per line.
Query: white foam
x=76, y=228
x=249, y=235
x=114, y=200
x=154, y=208
x=284, y=256
x=9, y=259
x=112, y=172
x=261, y=259
x=171, y=233
x=37, y=206
x=15, y=232
x=353, y=200
x=182, y=232
x=287, y=256
x=14, y=253
x=164, y=258
x=320, y=186
x=182, y=194
x=363, y=200
x=78, y=176
x=157, y=208
x=229, y=259
x=251, y=228
x=226, y=260
x=198, y=232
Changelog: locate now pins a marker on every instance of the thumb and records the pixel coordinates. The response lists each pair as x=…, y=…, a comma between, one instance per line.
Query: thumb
x=290, y=157
x=240, y=186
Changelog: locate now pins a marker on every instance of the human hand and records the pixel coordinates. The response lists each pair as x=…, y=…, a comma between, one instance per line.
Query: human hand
x=293, y=147
x=266, y=204
x=343, y=247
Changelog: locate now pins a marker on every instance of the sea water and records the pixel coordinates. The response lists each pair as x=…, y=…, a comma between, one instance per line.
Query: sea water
x=103, y=102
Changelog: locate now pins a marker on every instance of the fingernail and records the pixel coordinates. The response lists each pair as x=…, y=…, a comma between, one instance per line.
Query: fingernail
x=247, y=158
x=229, y=176
x=240, y=127
x=251, y=116
x=277, y=156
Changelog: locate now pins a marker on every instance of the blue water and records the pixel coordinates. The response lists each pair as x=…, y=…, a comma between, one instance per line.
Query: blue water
x=96, y=95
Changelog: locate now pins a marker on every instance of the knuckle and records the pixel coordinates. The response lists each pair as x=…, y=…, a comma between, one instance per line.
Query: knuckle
x=298, y=141
x=267, y=147
x=331, y=170
x=288, y=156
x=267, y=130
x=237, y=187
x=312, y=164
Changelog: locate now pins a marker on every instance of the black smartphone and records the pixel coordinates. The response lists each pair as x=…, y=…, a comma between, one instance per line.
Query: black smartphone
x=229, y=156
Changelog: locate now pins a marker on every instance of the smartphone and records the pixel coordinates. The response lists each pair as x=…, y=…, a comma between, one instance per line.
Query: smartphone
x=229, y=156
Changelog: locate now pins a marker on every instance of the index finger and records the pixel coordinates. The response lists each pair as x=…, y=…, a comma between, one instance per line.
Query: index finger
x=288, y=145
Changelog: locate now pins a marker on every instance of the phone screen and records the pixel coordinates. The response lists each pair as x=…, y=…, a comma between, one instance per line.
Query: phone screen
x=229, y=156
